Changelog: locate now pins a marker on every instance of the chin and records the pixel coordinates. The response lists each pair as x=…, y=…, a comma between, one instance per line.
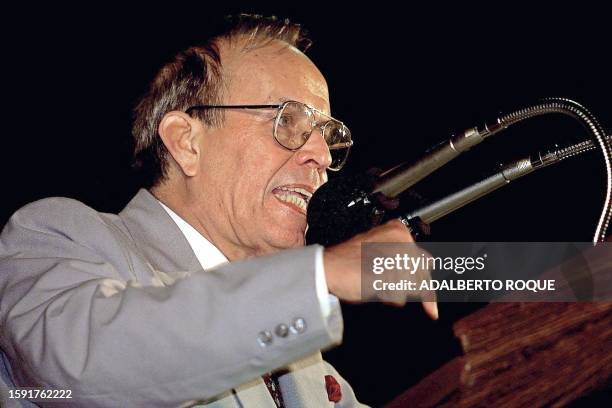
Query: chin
x=284, y=229
x=284, y=239
x=293, y=241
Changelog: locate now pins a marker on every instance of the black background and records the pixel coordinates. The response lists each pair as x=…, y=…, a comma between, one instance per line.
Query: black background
x=402, y=78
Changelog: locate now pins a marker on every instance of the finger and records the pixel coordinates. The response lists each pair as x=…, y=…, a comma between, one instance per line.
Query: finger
x=394, y=303
x=431, y=308
x=430, y=298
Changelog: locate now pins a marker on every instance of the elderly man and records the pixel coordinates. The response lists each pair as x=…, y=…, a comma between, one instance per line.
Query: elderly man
x=201, y=286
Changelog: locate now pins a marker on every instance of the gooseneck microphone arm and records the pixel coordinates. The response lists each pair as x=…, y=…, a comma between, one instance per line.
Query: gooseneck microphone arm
x=588, y=120
x=509, y=172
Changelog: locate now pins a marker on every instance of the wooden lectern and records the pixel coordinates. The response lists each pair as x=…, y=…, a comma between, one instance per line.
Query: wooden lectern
x=525, y=355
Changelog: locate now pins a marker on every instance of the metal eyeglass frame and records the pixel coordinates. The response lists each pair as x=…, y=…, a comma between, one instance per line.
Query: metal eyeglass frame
x=280, y=107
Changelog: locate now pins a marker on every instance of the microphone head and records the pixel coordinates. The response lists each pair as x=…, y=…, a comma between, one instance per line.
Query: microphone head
x=342, y=208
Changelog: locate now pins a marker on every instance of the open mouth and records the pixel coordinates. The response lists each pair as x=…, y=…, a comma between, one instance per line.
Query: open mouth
x=295, y=197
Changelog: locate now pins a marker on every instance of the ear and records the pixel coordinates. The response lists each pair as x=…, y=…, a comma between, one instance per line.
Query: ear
x=178, y=133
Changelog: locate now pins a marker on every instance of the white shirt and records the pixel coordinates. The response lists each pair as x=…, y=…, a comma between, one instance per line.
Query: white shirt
x=210, y=257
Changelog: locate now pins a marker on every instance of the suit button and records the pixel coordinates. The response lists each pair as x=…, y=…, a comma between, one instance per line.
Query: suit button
x=282, y=330
x=298, y=325
x=264, y=338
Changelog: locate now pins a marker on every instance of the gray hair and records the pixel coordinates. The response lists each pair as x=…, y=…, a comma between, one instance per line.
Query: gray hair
x=194, y=77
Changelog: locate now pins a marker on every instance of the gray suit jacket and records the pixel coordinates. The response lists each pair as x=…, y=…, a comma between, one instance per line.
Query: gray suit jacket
x=117, y=309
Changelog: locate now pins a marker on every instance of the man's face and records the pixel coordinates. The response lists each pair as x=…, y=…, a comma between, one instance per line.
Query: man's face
x=246, y=175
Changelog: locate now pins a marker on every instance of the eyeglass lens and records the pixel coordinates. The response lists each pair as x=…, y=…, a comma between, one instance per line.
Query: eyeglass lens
x=294, y=124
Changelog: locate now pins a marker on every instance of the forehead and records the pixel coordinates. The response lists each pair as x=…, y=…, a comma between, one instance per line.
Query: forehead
x=270, y=74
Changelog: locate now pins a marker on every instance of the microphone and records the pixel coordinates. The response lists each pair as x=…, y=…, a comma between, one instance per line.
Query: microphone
x=348, y=205
x=367, y=207
x=398, y=179
x=351, y=204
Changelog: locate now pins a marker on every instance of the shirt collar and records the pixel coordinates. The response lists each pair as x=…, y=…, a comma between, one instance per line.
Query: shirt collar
x=208, y=255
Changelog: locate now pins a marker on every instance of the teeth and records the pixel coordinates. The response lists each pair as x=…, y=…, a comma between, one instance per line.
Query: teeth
x=300, y=199
x=295, y=200
x=306, y=193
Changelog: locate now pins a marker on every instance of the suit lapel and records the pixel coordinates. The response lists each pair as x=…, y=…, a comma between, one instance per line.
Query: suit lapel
x=157, y=236
x=304, y=384
x=251, y=394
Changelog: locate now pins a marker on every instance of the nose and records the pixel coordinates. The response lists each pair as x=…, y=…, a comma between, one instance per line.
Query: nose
x=315, y=152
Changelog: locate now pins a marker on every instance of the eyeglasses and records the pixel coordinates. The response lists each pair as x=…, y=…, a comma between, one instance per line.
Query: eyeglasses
x=294, y=123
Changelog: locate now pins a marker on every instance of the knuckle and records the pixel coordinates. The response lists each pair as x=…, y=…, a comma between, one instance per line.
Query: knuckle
x=396, y=223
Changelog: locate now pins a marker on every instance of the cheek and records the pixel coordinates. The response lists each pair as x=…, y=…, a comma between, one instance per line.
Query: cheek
x=246, y=163
x=251, y=172
x=263, y=162
x=227, y=157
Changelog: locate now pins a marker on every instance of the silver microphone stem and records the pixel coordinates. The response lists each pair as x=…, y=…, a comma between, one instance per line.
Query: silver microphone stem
x=509, y=172
x=398, y=179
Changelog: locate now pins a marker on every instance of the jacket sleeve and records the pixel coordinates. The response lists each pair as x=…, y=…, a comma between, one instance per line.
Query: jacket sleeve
x=74, y=315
